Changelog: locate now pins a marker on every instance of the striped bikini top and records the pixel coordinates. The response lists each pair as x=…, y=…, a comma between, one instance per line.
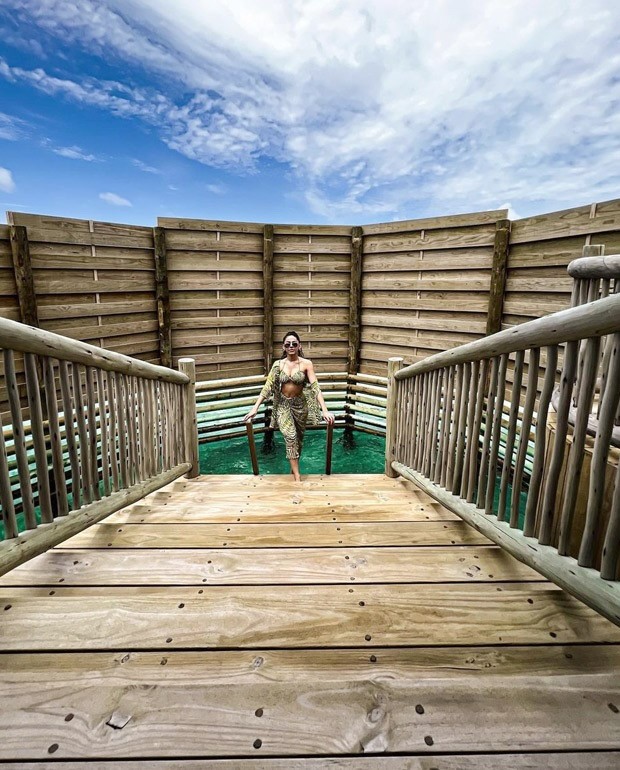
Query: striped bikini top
x=297, y=378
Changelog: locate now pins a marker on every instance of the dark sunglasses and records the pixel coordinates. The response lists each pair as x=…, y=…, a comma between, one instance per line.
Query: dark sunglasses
x=291, y=344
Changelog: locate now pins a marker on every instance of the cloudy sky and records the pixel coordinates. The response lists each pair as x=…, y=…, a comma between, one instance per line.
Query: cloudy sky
x=344, y=111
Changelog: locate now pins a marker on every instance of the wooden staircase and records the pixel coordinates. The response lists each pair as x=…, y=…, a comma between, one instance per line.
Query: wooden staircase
x=258, y=623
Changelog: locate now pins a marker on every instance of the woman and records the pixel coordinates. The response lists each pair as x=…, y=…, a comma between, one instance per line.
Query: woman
x=293, y=408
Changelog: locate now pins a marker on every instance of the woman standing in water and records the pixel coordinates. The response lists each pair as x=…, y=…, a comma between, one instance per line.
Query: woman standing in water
x=297, y=398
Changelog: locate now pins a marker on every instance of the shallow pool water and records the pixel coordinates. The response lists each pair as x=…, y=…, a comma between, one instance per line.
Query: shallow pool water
x=353, y=452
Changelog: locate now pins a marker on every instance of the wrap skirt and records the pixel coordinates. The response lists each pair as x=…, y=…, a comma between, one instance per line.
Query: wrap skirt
x=291, y=417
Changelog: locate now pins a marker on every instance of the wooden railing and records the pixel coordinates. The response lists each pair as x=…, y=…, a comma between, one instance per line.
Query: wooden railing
x=98, y=429
x=329, y=443
x=448, y=431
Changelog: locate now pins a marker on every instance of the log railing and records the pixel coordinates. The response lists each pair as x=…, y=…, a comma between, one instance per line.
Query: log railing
x=90, y=432
x=448, y=431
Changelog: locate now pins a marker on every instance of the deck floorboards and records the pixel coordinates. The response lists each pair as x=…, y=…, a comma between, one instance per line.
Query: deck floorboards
x=253, y=623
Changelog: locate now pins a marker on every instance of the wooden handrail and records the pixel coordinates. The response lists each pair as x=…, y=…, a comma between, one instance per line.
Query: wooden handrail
x=252, y=446
x=29, y=339
x=449, y=431
x=591, y=320
x=595, y=267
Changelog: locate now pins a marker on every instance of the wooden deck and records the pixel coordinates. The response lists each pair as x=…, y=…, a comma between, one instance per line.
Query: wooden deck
x=259, y=624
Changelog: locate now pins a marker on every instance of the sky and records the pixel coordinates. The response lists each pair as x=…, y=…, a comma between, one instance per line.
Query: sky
x=325, y=111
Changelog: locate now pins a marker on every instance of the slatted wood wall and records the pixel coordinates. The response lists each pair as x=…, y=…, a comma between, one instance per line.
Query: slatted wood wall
x=215, y=275
x=95, y=281
x=9, y=308
x=425, y=286
x=312, y=275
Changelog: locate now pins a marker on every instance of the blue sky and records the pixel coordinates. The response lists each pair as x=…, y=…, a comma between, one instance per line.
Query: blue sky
x=336, y=111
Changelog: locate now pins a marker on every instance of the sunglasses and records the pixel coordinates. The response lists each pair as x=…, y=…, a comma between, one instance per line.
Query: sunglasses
x=291, y=344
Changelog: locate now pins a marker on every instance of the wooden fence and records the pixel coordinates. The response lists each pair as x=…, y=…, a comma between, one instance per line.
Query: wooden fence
x=225, y=293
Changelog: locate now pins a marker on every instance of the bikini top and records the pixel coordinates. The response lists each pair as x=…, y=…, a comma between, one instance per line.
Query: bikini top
x=297, y=378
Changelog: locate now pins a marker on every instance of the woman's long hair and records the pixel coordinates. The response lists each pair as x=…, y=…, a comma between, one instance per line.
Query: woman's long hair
x=300, y=350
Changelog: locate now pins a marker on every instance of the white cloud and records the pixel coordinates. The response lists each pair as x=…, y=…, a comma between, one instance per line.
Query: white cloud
x=216, y=189
x=114, y=199
x=75, y=153
x=7, y=183
x=512, y=214
x=379, y=106
x=145, y=167
x=11, y=128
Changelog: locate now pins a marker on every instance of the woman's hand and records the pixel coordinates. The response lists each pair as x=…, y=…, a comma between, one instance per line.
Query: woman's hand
x=329, y=417
x=250, y=415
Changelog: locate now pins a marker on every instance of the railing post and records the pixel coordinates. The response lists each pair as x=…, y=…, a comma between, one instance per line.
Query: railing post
x=252, y=445
x=188, y=367
x=394, y=364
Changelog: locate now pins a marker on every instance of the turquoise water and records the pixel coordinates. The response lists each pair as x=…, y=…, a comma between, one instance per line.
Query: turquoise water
x=353, y=452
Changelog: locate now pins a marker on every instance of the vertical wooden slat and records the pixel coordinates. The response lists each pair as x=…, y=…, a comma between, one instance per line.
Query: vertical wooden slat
x=268, y=297
x=458, y=399
x=355, y=299
x=446, y=432
x=58, y=463
x=24, y=280
x=92, y=431
x=488, y=430
x=114, y=410
x=19, y=440
x=540, y=441
x=68, y=411
x=498, y=276
x=498, y=413
x=103, y=424
x=431, y=426
x=6, y=495
x=38, y=437
x=132, y=426
x=249, y=428
x=598, y=466
x=524, y=438
x=190, y=442
x=611, y=546
x=462, y=426
x=142, y=450
x=84, y=453
x=512, y=432
x=162, y=297
x=577, y=449
x=329, y=441
x=474, y=446
x=394, y=364
x=123, y=425
x=559, y=447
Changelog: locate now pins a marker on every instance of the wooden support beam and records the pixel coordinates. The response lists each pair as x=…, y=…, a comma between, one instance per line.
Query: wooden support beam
x=188, y=367
x=394, y=364
x=355, y=300
x=162, y=296
x=268, y=296
x=498, y=276
x=24, y=279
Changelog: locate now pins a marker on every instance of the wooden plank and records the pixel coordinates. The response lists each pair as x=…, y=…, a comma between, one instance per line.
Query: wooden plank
x=445, y=259
x=604, y=217
x=277, y=566
x=498, y=276
x=162, y=297
x=434, y=223
x=113, y=617
x=90, y=309
x=427, y=240
x=175, y=223
x=314, y=702
x=581, y=760
x=296, y=534
x=24, y=281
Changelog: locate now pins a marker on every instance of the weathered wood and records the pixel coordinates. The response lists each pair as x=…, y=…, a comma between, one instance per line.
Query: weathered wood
x=513, y=415
x=498, y=276
x=162, y=297
x=392, y=404
x=577, y=323
x=68, y=401
x=6, y=495
x=85, y=476
x=24, y=280
x=498, y=412
x=93, y=618
x=36, y=427
x=611, y=547
x=19, y=440
x=582, y=582
x=252, y=446
x=270, y=566
x=188, y=367
x=595, y=267
x=268, y=296
x=328, y=448
x=123, y=425
x=16, y=336
x=91, y=417
x=355, y=299
x=524, y=433
x=35, y=541
x=104, y=405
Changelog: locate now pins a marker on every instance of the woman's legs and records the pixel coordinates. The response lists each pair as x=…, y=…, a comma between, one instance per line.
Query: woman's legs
x=292, y=416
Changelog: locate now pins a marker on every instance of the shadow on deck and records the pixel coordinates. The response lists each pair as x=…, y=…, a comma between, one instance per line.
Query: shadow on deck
x=250, y=618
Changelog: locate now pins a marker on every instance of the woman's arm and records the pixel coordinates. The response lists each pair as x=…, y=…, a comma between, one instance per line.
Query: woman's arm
x=329, y=417
x=267, y=390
